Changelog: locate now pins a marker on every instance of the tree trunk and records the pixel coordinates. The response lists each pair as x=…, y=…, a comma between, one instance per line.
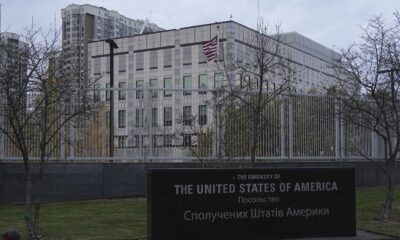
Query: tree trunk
x=38, y=203
x=389, y=197
x=28, y=217
x=254, y=129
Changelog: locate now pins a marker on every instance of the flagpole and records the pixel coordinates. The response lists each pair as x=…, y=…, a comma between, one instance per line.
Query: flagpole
x=217, y=43
x=215, y=133
x=218, y=123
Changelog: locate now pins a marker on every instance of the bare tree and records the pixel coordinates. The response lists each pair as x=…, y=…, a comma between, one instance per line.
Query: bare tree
x=255, y=77
x=368, y=91
x=248, y=78
x=37, y=101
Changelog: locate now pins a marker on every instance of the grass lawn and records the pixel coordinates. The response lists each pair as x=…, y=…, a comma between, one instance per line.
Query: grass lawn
x=126, y=218
x=369, y=202
x=93, y=219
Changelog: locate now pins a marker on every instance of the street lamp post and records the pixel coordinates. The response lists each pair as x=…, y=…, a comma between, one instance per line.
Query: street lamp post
x=111, y=119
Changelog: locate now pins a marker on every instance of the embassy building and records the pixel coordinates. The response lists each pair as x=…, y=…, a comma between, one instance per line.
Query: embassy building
x=164, y=85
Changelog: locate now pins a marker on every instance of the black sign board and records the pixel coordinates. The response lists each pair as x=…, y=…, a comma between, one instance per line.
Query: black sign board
x=251, y=203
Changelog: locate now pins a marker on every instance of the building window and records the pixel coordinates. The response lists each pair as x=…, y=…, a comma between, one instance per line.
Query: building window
x=136, y=139
x=202, y=114
x=245, y=81
x=187, y=115
x=202, y=83
x=154, y=140
x=139, y=140
x=139, y=93
x=139, y=61
x=96, y=66
x=271, y=87
x=96, y=94
x=107, y=64
x=154, y=117
x=187, y=55
x=153, y=59
x=202, y=56
x=154, y=84
x=167, y=85
x=122, y=141
x=107, y=92
x=218, y=80
x=239, y=78
x=168, y=140
x=187, y=84
x=121, y=93
x=122, y=63
x=187, y=140
x=168, y=58
x=121, y=118
x=130, y=142
x=168, y=116
x=139, y=117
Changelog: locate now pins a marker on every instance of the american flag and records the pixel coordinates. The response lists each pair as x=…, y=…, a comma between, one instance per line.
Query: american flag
x=210, y=48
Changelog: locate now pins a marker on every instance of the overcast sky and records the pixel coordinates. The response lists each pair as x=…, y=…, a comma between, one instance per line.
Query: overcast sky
x=334, y=23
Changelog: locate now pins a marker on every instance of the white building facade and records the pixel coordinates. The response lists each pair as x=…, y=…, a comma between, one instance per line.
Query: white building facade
x=149, y=119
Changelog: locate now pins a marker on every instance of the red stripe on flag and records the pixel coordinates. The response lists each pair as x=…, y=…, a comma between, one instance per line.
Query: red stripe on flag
x=210, y=48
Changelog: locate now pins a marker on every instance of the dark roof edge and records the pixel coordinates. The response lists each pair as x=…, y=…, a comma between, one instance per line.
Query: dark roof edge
x=175, y=29
x=135, y=35
x=224, y=22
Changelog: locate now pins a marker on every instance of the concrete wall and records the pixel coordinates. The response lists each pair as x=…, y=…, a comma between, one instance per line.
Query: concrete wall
x=65, y=182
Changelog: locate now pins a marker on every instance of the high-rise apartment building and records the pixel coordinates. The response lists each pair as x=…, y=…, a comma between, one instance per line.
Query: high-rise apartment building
x=13, y=67
x=84, y=23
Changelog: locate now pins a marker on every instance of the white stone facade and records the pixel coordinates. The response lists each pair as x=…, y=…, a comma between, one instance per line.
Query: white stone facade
x=149, y=60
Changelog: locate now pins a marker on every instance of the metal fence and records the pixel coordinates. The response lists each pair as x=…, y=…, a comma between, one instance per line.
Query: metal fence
x=153, y=125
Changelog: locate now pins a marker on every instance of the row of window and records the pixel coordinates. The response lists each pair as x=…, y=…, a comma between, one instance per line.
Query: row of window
x=167, y=57
x=167, y=84
x=165, y=140
x=153, y=59
x=187, y=116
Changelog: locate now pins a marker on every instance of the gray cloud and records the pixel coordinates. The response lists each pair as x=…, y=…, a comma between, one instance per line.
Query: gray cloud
x=330, y=22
